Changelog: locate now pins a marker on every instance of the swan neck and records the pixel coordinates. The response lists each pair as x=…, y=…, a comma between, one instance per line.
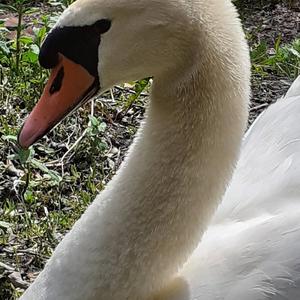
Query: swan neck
x=175, y=175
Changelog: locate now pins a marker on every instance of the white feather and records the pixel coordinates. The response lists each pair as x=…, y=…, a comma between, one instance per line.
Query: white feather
x=251, y=250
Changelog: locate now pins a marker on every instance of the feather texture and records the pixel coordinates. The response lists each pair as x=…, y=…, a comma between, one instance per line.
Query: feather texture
x=251, y=250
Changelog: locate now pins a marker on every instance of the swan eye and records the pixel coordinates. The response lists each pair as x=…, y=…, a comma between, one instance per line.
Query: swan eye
x=103, y=25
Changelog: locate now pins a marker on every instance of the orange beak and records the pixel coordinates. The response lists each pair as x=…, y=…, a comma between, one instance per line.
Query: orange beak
x=69, y=86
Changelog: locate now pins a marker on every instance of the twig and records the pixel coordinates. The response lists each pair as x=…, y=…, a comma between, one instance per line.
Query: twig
x=16, y=279
x=72, y=147
x=22, y=251
x=78, y=140
x=6, y=267
x=92, y=107
x=258, y=107
x=112, y=95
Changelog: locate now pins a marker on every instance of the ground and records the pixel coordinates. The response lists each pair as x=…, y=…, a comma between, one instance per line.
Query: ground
x=41, y=197
x=270, y=24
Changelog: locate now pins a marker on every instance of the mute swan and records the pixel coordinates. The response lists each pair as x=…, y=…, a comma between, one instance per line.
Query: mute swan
x=137, y=240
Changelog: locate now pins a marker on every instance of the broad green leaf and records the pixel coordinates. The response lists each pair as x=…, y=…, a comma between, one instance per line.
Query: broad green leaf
x=53, y=175
x=35, y=49
x=30, y=57
x=102, y=127
x=24, y=155
x=94, y=121
x=26, y=40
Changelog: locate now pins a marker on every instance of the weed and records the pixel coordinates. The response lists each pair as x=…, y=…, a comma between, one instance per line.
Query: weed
x=283, y=60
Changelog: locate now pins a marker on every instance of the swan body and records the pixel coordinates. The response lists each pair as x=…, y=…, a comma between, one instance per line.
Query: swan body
x=137, y=240
x=251, y=249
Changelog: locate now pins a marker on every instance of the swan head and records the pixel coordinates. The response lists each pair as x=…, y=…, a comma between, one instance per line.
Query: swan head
x=99, y=43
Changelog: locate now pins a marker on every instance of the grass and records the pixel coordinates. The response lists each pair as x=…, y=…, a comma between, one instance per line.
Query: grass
x=281, y=60
x=45, y=189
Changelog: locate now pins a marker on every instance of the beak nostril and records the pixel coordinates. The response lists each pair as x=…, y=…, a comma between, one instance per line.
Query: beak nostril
x=57, y=82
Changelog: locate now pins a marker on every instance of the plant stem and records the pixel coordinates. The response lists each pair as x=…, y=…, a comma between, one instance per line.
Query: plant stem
x=19, y=31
